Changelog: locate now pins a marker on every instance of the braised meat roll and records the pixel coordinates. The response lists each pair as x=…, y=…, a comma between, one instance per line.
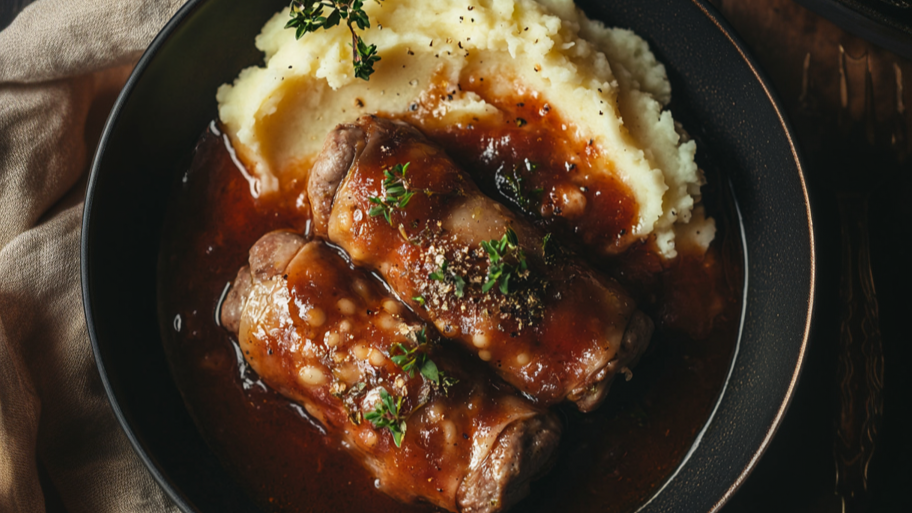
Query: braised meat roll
x=429, y=423
x=501, y=287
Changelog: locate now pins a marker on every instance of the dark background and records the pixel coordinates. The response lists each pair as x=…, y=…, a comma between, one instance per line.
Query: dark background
x=798, y=472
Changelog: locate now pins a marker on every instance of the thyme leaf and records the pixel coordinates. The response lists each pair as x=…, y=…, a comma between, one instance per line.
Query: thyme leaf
x=388, y=415
x=506, y=260
x=397, y=193
x=444, y=275
x=412, y=359
x=409, y=359
x=516, y=189
x=446, y=382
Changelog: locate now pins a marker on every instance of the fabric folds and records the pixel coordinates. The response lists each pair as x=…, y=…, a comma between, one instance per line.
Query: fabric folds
x=62, y=64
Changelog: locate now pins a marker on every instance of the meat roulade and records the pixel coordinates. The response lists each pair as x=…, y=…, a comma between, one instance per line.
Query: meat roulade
x=428, y=423
x=544, y=320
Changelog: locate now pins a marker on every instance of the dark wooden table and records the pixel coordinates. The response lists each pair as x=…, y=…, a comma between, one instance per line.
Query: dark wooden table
x=845, y=98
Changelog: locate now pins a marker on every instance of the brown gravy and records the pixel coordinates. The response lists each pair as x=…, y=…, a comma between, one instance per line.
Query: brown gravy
x=529, y=157
x=611, y=460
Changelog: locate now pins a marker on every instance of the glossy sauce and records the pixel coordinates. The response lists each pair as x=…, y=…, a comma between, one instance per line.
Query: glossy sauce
x=552, y=337
x=322, y=335
x=611, y=459
x=529, y=156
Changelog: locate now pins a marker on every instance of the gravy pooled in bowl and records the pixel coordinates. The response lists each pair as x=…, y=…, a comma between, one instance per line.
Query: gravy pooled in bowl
x=609, y=460
x=521, y=118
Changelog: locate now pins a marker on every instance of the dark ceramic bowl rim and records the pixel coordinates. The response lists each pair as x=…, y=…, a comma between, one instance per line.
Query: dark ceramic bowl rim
x=707, y=10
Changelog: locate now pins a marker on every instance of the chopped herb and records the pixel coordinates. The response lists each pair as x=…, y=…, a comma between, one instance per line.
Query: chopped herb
x=460, y=285
x=420, y=300
x=397, y=193
x=513, y=186
x=429, y=370
x=413, y=359
x=552, y=249
x=443, y=275
x=408, y=360
x=307, y=16
x=549, y=249
x=421, y=336
x=445, y=383
x=439, y=274
x=388, y=415
x=506, y=260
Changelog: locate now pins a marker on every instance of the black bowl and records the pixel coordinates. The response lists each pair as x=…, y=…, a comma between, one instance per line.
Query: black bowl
x=170, y=98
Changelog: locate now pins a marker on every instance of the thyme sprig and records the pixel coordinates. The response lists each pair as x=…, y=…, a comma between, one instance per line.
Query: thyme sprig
x=307, y=16
x=445, y=275
x=388, y=415
x=506, y=260
x=397, y=193
x=550, y=249
x=412, y=359
x=518, y=191
x=445, y=383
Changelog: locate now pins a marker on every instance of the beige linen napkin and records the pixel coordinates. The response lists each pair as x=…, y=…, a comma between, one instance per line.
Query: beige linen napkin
x=62, y=63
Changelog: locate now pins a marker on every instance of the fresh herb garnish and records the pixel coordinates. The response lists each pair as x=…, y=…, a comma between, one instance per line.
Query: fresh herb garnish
x=420, y=300
x=552, y=249
x=388, y=415
x=439, y=274
x=397, y=193
x=307, y=16
x=506, y=261
x=545, y=243
x=445, y=383
x=413, y=359
x=549, y=249
x=444, y=275
x=515, y=184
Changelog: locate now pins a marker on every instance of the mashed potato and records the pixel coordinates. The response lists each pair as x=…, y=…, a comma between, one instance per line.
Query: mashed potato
x=606, y=81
